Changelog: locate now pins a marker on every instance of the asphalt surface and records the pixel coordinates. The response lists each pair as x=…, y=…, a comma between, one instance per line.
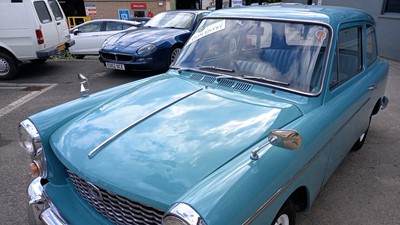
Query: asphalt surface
x=365, y=189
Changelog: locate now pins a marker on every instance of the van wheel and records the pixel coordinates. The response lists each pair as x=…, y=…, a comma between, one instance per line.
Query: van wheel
x=8, y=66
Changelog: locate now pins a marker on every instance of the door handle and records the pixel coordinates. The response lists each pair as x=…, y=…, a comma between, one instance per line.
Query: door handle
x=58, y=23
x=372, y=87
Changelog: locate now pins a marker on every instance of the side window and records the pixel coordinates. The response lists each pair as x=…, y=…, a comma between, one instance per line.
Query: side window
x=42, y=12
x=372, y=53
x=111, y=26
x=55, y=8
x=348, y=56
x=90, y=27
x=126, y=26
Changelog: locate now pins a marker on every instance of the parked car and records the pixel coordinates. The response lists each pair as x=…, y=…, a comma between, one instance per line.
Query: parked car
x=153, y=48
x=30, y=30
x=89, y=36
x=247, y=125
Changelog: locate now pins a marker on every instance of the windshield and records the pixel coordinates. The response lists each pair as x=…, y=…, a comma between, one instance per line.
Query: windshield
x=180, y=20
x=285, y=54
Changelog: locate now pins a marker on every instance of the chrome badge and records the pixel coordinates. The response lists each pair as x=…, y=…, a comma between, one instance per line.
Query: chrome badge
x=94, y=192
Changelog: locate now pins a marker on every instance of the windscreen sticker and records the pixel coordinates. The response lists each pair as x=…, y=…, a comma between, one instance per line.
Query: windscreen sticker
x=320, y=35
x=215, y=27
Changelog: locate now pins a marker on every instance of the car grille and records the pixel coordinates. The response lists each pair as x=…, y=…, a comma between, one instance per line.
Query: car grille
x=117, y=57
x=116, y=208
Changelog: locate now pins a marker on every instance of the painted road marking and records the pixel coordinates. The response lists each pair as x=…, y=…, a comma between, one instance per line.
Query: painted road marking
x=34, y=91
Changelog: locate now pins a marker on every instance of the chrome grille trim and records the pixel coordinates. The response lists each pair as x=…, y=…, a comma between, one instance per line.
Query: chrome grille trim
x=118, y=209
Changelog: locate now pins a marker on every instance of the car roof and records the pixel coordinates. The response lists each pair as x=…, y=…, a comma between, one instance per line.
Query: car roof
x=197, y=11
x=332, y=15
x=109, y=20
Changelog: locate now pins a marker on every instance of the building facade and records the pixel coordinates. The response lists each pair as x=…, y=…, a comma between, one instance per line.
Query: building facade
x=387, y=17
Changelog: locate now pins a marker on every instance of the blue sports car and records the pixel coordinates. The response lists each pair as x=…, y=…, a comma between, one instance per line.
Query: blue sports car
x=154, y=47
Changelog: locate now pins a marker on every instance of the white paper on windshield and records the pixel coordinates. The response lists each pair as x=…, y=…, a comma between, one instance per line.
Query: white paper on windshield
x=215, y=27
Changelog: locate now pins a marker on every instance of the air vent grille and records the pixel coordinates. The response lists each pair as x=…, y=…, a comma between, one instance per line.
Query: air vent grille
x=225, y=82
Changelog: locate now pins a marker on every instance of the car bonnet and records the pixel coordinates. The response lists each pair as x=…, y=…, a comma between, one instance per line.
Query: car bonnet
x=165, y=137
x=138, y=38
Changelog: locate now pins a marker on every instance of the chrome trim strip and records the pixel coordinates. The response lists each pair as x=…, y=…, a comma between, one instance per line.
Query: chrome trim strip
x=285, y=186
x=119, y=133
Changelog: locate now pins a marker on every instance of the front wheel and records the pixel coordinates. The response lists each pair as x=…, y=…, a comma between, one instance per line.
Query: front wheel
x=8, y=66
x=361, y=140
x=174, y=55
x=286, y=215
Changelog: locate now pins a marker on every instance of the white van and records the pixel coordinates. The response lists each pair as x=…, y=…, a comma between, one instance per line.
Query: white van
x=30, y=30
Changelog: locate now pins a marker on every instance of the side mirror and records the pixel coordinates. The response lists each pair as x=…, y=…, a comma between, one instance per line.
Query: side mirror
x=75, y=32
x=288, y=139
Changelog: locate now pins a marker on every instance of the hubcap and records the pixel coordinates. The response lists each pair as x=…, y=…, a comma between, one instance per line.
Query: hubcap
x=282, y=220
x=4, y=67
x=175, y=54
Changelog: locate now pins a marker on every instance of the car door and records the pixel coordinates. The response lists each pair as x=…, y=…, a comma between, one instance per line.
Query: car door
x=47, y=25
x=87, y=38
x=60, y=21
x=349, y=97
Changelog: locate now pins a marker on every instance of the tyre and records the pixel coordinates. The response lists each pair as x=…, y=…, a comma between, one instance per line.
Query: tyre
x=8, y=66
x=286, y=215
x=361, y=140
x=174, y=54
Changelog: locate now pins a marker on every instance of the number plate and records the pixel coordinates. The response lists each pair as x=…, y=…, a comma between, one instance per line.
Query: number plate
x=115, y=66
x=61, y=48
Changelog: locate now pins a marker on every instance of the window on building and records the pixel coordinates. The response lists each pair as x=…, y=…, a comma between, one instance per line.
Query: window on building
x=392, y=6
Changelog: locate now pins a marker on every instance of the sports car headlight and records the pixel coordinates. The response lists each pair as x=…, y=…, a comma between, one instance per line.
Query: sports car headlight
x=146, y=49
x=29, y=138
x=182, y=214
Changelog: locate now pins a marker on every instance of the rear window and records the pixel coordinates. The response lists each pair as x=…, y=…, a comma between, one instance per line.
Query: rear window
x=55, y=8
x=42, y=12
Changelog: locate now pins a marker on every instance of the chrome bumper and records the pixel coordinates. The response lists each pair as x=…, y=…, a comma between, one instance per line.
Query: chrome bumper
x=41, y=210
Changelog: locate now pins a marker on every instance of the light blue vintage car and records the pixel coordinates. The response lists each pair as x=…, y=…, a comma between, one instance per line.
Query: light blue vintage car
x=248, y=124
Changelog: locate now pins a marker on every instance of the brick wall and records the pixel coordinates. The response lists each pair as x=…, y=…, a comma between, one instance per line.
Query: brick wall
x=109, y=9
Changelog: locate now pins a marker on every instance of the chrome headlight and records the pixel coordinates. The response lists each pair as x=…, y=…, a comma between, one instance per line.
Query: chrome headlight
x=31, y=141
x=29, y=138
x=182, y=214
x=146, y=49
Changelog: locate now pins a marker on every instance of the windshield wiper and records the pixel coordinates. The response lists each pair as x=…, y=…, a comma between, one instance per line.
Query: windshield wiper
x=266, y=80
x=217, y=68
x=172, y=27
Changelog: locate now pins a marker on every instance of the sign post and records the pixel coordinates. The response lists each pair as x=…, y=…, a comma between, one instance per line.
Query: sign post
x=123, y=14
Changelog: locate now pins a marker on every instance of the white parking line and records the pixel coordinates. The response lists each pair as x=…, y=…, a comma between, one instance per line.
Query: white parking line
x=26, y=98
